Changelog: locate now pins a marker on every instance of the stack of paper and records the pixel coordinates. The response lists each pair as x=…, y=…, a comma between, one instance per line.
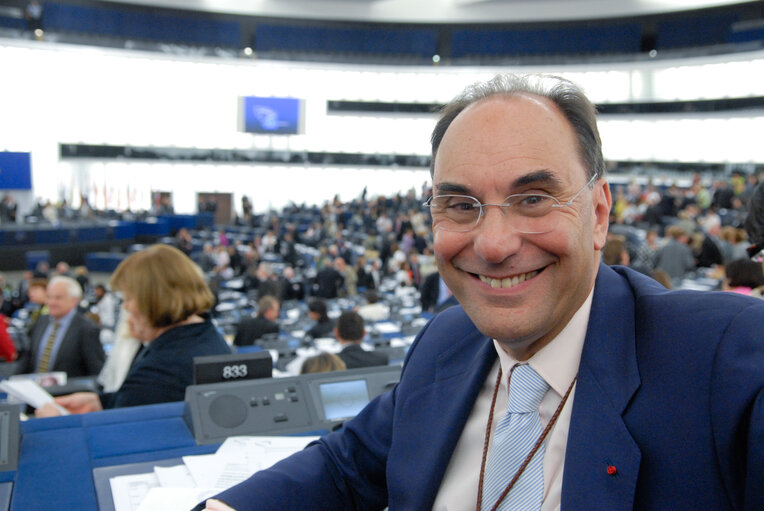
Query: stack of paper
x=200, y=477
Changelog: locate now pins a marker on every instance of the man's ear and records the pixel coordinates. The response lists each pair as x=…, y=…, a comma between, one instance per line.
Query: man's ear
x=602, y=204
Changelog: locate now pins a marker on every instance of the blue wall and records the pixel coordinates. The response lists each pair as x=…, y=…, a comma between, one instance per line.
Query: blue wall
x=141, y=25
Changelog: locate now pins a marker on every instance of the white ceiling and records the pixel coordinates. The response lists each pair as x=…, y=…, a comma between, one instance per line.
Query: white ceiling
x=440, y=11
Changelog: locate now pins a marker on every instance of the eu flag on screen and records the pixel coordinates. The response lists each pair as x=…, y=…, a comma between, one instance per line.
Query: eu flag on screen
x=275, y=116
x=15, y=171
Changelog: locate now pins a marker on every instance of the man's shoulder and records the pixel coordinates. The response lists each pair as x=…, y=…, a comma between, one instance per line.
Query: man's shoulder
x=686, y=305
x=80, y=321
x=247, y=322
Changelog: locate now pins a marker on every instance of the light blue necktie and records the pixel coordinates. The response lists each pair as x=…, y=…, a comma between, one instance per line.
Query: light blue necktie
x=516, y=434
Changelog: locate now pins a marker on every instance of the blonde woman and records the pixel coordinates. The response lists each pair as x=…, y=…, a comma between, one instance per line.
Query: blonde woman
x=165, y=295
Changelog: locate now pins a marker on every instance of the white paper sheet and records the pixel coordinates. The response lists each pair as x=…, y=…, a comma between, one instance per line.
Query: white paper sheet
x=386, y=327
x=240, y=457
x=174, y=477
x=235, y=460
x=174, y=499
x=31, y=393
x=129, y=491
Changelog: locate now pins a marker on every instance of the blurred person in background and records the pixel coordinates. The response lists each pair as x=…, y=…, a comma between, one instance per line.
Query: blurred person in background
x=754, y=223
x=743, y=276
x=250, y=330
x=121, y=355
x=38, y=295
x=349, y=333
x=754, y=227
x=64, y=339
x=8, y=352
x=81, y=276
x=104, y=307
x=675, y=257
x=166, y=296
x=322, y=363
x=317, y=311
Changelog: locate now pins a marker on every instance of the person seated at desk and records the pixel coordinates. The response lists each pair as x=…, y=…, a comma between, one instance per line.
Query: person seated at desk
x=36, y=306
x=317, y=311
x=349, y=332
x=165, y=294
x=8, y=352
x=754, y=224
x=322, y=363
x=64, y=339
x=667, y=386
x=373, y=310
x=743, y=276
x=252, y=329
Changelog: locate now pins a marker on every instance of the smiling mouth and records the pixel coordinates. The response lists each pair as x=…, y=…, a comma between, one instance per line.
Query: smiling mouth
x=508, y=282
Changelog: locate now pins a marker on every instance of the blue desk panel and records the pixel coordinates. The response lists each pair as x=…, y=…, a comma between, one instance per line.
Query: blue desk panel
x=158, y=227
x=12, y=237
x=53, y=472
x=123, y=230
x=179, y=221
x=103, y=261
x=58, y=455
x=52, y=235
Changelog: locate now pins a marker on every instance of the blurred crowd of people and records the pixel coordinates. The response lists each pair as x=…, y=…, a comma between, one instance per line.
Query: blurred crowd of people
x=674, y=232
x=311, y=255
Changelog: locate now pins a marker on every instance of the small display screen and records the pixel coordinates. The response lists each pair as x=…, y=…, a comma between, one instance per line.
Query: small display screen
x=344, y=399
x=271, y=116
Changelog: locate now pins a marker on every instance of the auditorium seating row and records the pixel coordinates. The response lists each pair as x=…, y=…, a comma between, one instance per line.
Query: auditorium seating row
x=275, y=37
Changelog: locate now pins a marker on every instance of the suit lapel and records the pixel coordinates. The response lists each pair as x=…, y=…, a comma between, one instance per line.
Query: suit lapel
x=602, y=460
x=437, y=414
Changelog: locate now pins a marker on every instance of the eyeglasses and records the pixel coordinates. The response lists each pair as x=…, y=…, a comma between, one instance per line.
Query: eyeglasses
x=529, y=211
x=756, y=252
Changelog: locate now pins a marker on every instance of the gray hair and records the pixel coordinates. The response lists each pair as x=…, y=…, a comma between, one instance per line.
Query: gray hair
x=569, y=98
x=73, y=288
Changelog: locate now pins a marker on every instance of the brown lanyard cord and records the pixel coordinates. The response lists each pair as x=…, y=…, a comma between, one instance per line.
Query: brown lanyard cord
x=528, y=458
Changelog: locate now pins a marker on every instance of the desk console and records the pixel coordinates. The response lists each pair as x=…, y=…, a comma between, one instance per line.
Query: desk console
x=279, y=406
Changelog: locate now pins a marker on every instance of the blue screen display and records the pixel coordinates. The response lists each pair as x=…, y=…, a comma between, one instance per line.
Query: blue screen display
x=15, y=171
x=275, y=116
x=344, y=399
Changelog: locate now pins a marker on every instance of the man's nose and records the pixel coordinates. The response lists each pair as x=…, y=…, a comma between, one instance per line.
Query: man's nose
x=496, y=238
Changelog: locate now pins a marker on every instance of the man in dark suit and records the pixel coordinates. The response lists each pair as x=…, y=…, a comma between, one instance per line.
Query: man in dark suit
x=434, y=294
x=64, y=339
x=329, y=281
x=252, y=329
x=651, y=399
x=349, y=332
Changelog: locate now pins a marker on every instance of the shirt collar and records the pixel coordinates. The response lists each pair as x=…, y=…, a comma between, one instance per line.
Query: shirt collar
x=558, y=361
x=63, y=323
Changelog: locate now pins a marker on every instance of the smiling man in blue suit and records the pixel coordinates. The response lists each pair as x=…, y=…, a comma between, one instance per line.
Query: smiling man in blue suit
x=646, y=399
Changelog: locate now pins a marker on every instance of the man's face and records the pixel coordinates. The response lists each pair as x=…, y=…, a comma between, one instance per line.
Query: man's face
x=272, y=313
x=495, y=148
x=59, y=301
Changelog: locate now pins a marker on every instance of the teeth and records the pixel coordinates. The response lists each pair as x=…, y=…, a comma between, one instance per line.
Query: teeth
x=509, y=281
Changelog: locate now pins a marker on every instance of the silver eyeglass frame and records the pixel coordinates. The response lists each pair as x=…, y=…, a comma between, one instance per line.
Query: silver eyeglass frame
x=481, y=206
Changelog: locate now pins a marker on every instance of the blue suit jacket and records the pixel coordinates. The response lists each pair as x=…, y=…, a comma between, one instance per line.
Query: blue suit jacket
x=669, y=392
